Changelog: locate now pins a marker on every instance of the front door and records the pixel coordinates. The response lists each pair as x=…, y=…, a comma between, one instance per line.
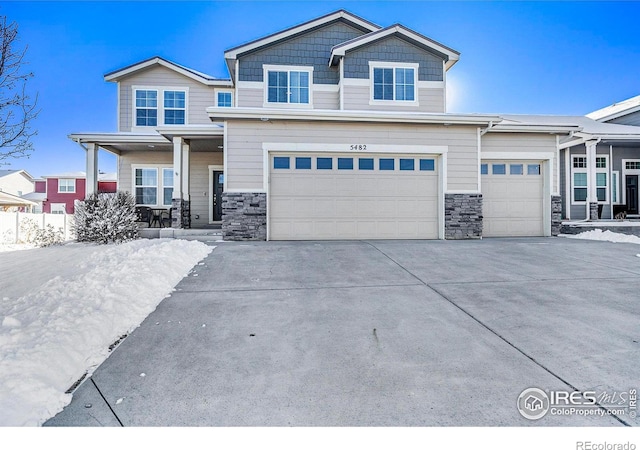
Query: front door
x=218, y=183
x=632, y=194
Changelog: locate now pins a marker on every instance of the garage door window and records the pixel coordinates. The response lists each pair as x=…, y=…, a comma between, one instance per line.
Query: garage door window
x=484, y=169
x=324, y=163
x=427, y=164
x=499, y=169
x=365, y=163
x=533, y=169
x=280, y=162
x=345, y=163
x=515, y=169
x=407, y=164
x=303, y=163
x=386, y=164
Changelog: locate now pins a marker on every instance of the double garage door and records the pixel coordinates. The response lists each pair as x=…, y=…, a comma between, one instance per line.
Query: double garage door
x=512, y=195
x=347, y=196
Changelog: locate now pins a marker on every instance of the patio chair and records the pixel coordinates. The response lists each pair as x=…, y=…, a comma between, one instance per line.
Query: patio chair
x=143, y=215
x=165, y=219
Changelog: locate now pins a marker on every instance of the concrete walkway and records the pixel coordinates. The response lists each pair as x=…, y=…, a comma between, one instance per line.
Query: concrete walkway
x=380, y=333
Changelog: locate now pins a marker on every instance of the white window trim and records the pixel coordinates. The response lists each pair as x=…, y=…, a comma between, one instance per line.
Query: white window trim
x=394, y=65
x=73, y=182
x=58, y=207
x=222, y=91
x=585, y=170
x=159, y=183
x=160, y=90
x=266, y=68
x=622, y=194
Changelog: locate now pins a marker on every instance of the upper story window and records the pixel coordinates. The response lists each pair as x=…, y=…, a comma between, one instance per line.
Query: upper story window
x=160, y=106
x=174, y=107
x=393, y=82
x=146, y=108
x=67, y=185
x=224, y=99
x=288, y=85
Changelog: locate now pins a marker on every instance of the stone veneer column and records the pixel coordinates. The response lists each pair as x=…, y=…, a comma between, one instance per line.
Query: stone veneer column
x=593, y=211
x=462, y=216
x=244, y=216
x=556, y=214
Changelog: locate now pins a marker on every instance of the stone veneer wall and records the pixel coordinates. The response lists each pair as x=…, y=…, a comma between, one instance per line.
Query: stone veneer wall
x=556, y=214
x=462, y=216
x=593, y=211
x=244, y=216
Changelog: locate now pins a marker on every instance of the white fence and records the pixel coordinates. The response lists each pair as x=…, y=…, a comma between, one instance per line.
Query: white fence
x=11, y=231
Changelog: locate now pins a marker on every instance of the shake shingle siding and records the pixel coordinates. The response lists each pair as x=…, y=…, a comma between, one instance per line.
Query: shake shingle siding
x=312, y=48
x=393, y=49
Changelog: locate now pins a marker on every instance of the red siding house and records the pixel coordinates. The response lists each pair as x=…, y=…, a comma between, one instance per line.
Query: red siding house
x=62, y=190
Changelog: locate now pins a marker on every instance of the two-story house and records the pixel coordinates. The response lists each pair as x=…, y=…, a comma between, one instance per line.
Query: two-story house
x=332, y=129
x=58, y=193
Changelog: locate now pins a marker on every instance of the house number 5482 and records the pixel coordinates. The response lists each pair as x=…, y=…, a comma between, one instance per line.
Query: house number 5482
x=360, y=147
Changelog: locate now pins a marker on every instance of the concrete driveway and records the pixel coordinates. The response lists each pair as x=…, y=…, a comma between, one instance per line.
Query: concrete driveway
x=379, y=333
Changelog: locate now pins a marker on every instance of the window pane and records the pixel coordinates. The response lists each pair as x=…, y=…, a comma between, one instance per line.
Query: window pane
x=281, y=162
x=484, y=169
x=602, y=194
x=580, y=194
x=303, y=163
x=579, y=179
x=533, y=169
x=579, y=162
x=407, y=164
x=168, y=193
x=146, y=195
x=601, y=163
x=601, y=179
x=614, y=187
x=174, y=117
x=324, y=163
x=345, y=163
x=365, y=163
x=387, y=164
x=427, y=164
x=515, y=169
x=167, y=177
x=499, y=169
x=224, y=99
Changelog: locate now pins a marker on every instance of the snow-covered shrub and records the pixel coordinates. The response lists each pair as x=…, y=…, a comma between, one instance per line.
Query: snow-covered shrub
x=31, y=233
x=105, y=218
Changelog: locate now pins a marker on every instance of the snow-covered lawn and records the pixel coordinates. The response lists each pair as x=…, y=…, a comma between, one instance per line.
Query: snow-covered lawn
x=62, y=307
x=599, y=235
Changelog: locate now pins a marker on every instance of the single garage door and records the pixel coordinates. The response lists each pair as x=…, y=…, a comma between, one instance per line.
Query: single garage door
x=512, y=198
x=343, y=196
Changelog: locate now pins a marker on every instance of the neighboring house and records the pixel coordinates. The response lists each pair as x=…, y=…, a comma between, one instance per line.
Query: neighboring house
x=16, y=182
x=600, y=164
x=333, y=129
x=58, y=193
x=12, y=203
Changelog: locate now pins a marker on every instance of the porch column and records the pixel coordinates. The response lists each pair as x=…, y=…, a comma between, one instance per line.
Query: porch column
x=592, y=189
x=178, y=144
x=91, y=185
x=186, y=169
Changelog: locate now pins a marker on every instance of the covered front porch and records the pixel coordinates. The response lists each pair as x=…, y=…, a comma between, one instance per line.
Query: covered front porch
x=179, y=169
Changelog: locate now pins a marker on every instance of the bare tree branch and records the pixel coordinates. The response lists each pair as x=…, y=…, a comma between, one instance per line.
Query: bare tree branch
x=17, y=109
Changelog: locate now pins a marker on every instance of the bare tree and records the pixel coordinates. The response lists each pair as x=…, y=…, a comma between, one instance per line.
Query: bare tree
x=17, y=109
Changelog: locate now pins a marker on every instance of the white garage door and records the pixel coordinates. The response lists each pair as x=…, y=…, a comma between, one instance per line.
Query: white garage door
x=512, y=198
x=342, y=196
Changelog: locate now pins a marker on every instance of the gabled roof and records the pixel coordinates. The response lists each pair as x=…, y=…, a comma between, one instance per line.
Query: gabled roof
x=7, y=199
x=448, y=54
x=157, y=60
x=232, y=54
x=616, y=110
x=4, y=173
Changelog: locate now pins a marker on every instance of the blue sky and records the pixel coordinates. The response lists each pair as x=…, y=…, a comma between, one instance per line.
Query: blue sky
x=516, y=57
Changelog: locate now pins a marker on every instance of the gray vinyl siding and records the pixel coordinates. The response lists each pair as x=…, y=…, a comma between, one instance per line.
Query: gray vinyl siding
x=250, y=98
x=393, y=49
x=326, y=99
x=312, y=48
x=357, y=98
x=244, y=169
x=522, y=143
x=629, y=119
x=198, y=181
x=199, y=96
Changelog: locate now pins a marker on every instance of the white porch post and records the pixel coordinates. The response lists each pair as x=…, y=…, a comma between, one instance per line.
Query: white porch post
x=178, y=143
x=92, y=169
x=186, y=169
x=592, y=189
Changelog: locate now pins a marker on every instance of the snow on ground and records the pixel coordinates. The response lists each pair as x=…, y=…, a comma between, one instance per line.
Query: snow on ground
x=14, y=247
x=599, y=235
x=66, y=305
